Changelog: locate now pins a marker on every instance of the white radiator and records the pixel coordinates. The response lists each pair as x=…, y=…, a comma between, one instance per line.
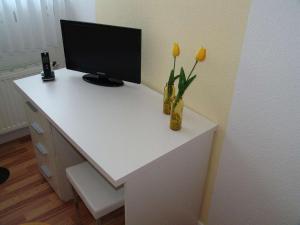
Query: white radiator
x=12, y=114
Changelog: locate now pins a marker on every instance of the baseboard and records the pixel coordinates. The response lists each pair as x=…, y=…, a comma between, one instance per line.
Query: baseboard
x=14, y=135
x=200, y=223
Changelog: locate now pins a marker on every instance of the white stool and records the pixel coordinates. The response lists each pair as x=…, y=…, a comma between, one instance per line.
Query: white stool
x=98, y=195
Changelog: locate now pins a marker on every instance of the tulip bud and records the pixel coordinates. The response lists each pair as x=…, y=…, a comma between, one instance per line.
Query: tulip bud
x=176, y=50
x=201, y=55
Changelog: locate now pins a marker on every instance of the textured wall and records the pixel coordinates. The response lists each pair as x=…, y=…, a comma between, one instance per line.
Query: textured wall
x=218, y=25
x=258, y=182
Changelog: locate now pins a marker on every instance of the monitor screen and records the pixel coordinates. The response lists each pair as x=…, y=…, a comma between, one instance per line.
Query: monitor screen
x=104, y=50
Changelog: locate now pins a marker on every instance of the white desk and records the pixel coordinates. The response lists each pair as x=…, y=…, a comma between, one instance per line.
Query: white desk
x=123, y=133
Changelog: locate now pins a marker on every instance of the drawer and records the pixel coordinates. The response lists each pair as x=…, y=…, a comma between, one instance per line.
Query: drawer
x=36, y=119
x=45, y=170
x=37, y=128
x=42, y=141
x=31, y=110
x=31, y=106
x=41, y=149
x=48, y=175
x=44, y=149
x=41, y=159
x=42, y=154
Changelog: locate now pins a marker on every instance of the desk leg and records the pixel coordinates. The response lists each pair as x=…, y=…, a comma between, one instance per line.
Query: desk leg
x=76, y=202
x=168, y=191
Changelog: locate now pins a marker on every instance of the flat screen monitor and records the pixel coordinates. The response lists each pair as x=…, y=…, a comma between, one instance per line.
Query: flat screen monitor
x=109, y=54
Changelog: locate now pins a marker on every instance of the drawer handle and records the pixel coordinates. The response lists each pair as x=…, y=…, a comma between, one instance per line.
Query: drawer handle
x=35, y=126
x=31, y=106
x=45, y=170
x=41, y=149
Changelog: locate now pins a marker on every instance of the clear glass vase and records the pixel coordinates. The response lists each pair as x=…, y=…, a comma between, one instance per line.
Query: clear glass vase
x=176, y=115
x=169, y=95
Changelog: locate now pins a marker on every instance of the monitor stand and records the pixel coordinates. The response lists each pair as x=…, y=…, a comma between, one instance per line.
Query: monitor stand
x=102, y=80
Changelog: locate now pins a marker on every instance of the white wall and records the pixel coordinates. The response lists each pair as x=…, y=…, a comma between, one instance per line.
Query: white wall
x=81, y=10
x=258, y=182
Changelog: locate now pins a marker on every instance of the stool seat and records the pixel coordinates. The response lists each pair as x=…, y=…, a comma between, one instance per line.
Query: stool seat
x=99, y=196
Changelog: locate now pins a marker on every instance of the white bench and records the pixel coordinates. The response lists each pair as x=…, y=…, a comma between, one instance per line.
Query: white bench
x=98, y=195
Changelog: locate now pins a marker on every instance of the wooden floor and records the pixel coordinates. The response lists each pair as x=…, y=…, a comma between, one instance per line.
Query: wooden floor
x=27, y=197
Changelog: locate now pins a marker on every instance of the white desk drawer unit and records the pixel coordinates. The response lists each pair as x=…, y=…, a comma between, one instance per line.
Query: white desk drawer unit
x=50, y=149
x=41, y=137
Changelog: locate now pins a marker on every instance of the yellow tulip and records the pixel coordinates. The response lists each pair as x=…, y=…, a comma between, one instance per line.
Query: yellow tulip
x=176, y=50
x=201, y=55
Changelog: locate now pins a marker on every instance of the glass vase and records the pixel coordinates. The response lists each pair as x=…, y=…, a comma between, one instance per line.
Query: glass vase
x=176, y=115
x=169, y=95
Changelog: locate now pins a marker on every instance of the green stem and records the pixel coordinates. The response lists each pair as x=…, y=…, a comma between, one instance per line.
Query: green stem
x=192, y=69
x=174, y=64
x=171, y=82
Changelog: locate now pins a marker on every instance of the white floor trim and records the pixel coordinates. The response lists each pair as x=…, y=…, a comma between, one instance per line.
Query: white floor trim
x=200, y=223
x=14, y=135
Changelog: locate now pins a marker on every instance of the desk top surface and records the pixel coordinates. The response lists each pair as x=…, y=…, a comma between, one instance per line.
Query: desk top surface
x=118, y=130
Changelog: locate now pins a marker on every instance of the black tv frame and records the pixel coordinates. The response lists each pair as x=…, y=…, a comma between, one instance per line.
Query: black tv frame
x=96, y=76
